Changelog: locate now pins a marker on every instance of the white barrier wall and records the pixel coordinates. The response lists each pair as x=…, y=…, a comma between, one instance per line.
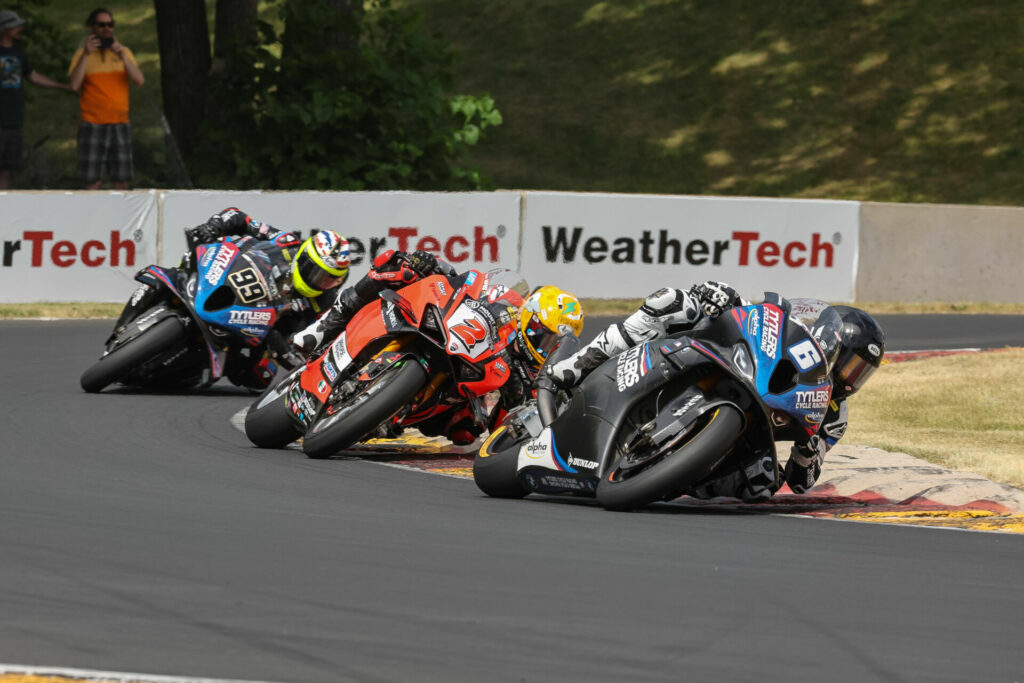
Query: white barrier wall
x=85, y=246
x=467, y=229
x=611, y=246
x=74, y=246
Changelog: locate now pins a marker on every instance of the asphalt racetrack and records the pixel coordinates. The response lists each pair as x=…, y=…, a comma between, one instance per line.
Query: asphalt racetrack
x=141, y=532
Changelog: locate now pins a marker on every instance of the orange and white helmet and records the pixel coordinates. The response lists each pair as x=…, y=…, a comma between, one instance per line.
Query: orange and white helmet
x=547, y=316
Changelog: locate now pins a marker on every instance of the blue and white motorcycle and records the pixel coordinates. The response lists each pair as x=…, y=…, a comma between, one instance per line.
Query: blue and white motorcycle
x=212, y=316
x=668, y=416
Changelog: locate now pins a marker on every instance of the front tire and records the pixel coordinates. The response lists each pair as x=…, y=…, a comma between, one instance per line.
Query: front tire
x=495, y=467
x=378, y=401
x=677, y=470
x=117, y=364
x=269, y=423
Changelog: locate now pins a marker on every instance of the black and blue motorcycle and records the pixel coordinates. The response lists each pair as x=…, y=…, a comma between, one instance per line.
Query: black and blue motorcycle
x=665, y=417
x=213, y=316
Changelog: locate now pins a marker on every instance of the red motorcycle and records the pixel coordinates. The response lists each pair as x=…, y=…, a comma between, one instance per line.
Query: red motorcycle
x=417, y=353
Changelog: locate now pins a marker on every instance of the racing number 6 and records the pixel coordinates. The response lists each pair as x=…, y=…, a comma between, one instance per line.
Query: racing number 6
x=805, y=355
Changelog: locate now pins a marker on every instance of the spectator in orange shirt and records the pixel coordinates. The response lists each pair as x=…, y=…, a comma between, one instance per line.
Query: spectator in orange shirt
x=101, y=71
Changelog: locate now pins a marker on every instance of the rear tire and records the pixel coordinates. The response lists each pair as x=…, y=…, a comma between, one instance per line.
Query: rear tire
x=117, y=364
x=375, y=403
x=269, y=423
x=677, y=470
x=495, y=467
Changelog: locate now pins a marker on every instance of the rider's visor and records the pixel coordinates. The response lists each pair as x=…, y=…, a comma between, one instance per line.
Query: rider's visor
x=540, y=337
x=854, y=373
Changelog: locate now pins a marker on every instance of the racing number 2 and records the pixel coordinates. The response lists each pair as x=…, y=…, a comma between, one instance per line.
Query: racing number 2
x=247, y=285
x=471, y=332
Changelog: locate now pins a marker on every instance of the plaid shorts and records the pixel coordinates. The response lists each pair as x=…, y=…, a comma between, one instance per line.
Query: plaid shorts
x=10, y=149
x=104, y=146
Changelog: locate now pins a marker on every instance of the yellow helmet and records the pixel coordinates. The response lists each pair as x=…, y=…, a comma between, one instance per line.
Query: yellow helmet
x=547, y=316
x=320, y=264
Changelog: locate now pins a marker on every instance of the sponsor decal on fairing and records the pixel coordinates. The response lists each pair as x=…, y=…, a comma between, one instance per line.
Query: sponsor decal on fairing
x=631, y=366
x=772, y=329
x=225, y=254
x=249, y=317
x=814, y=399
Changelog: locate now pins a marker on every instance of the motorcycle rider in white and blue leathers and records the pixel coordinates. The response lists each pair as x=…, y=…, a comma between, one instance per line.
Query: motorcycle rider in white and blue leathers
x=856, y=342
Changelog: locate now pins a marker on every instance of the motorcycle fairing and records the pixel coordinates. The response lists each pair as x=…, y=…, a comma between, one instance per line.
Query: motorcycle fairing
x=229, y=286
x=156, y=276
x=790, y=374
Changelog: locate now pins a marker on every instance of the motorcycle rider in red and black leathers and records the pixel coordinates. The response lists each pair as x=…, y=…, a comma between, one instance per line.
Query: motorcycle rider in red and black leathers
x=396, y=269
x=859, y=351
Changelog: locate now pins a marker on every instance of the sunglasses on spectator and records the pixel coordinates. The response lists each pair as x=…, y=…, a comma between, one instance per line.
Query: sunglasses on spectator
x=103, y=24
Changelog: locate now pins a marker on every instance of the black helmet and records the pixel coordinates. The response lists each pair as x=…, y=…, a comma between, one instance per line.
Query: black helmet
x=860, y=353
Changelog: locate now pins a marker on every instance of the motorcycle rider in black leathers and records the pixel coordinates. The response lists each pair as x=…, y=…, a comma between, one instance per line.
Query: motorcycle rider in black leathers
x=312, y=273
x=546, y=315
x=858, y=351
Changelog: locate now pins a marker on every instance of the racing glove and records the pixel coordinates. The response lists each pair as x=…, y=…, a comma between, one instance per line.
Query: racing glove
x=715, y=297
x=202, y=234
x=423, y=262
x=804, y=465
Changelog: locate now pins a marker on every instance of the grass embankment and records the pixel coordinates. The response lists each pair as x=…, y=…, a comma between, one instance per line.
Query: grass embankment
x=900, y=100
x=889, y=101
x=963, y=412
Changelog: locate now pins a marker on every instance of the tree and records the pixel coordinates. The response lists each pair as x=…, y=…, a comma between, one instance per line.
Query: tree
x=234, y=25
x=183, y=35
x=358, y=99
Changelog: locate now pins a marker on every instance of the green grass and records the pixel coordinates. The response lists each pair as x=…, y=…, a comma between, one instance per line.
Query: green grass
x=945, y=411
x=901, y=100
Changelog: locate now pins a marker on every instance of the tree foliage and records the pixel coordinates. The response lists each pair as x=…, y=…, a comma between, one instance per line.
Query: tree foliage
x=48, y=43
x=343, y=98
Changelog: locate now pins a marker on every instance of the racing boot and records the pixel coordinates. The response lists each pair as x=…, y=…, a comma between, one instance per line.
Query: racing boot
x=314, y=339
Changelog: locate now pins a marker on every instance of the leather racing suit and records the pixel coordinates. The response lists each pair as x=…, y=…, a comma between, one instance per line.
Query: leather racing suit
x=232, y=222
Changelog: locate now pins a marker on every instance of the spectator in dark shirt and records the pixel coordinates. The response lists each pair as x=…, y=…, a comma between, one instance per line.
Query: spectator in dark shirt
x=15, y=69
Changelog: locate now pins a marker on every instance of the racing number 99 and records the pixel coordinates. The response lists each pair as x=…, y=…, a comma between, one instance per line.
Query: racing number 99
x=247, y=285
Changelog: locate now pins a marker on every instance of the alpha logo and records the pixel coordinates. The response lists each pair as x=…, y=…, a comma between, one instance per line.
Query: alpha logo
x=251, y=317
x=564, y=246
x=772, y=327
x=225, y=254
x=814, y=399
x=64, y=253
x=753, y=323
x=537, y=450
x=580, y=462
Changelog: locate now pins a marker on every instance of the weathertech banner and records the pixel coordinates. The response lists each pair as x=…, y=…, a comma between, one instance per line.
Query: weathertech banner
x=74, y=246
x=627, y=246
x=469, y=230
